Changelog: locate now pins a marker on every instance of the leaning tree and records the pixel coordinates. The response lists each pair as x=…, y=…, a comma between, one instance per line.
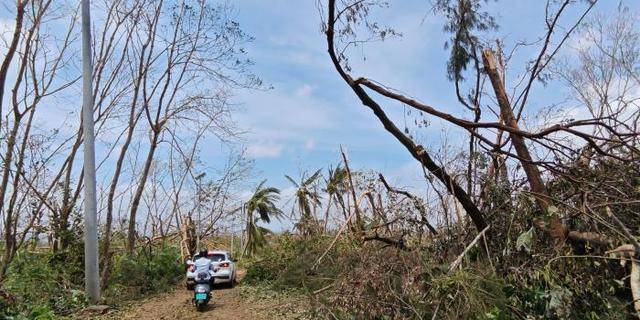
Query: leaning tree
x=477, y=69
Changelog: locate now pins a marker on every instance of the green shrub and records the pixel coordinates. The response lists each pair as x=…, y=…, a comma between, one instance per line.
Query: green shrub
x=36, y=285
x=290, y=262
x=43, y=285
x=145, y=272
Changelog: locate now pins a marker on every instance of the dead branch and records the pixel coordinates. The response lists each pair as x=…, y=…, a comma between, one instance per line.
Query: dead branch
x=560, y=232
x=417, y=151
x=399, y=243
x=416, y=202
x=456, y=263
x=342, y=228
x=356, y=208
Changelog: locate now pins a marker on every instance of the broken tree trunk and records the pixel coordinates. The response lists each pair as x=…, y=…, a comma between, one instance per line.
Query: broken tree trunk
x=506, y=113
x=188, y=235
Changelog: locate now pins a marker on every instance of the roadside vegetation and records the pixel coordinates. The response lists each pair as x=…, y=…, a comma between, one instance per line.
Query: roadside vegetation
x=45, y=285
x=516, y=272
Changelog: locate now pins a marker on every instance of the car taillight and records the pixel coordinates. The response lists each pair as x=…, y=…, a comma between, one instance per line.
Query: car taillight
x=224, y=265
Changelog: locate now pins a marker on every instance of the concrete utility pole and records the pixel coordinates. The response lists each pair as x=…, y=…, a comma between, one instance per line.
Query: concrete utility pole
x=91, y=275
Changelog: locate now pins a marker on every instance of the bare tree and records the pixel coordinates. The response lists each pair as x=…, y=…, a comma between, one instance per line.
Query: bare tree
x=131, y=17
x=34, y=81
x=203, y=45
x=11, y=51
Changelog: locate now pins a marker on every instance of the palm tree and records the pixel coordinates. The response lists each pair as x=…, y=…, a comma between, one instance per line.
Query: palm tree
x=307, y=199
x=263, y=202
x=334, y=187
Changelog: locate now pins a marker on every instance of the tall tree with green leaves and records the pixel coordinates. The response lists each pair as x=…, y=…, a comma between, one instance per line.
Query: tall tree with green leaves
x=307, y=199
x=263, y=203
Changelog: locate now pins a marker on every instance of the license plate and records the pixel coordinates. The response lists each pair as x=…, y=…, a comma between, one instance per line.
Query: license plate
x=201, y=296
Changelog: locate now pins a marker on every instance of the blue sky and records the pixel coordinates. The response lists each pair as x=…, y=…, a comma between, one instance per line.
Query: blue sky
x=300, y=123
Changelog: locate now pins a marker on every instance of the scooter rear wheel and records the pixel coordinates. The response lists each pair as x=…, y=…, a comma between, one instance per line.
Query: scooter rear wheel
x=201, y=306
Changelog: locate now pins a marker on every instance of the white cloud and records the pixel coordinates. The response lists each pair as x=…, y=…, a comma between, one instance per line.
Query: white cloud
x=310, y=144
x=284, y=117
x=245, y=195
x=264, y=150
x=304, y=91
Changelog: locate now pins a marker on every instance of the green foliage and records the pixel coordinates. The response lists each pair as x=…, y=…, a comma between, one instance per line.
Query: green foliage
x=290, y=262
x=42, y=313
x=525, y=240
x=307, y=196
x=358, y=280
x=263, y=202
x=335, y=184
x=464, y=18
x=272, y=263
x=365, y=281
x=46, y=285
x=38, y=286
x=149, y=270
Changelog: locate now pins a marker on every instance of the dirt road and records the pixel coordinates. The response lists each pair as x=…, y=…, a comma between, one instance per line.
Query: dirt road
x=226, y=304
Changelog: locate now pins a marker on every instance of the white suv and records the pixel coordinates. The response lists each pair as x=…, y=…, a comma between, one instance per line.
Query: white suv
x=224, y=268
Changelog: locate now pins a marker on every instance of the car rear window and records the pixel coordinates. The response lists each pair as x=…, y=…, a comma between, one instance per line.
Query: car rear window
x=217, y=257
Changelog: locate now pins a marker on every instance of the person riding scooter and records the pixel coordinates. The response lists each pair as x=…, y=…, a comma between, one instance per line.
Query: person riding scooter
x=204, y=280
x=202, y=263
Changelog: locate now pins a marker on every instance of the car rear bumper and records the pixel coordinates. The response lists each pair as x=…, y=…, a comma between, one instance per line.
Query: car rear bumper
x=222, y=276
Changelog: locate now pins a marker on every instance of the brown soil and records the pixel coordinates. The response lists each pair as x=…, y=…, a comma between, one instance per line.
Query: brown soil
x=226, y=304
